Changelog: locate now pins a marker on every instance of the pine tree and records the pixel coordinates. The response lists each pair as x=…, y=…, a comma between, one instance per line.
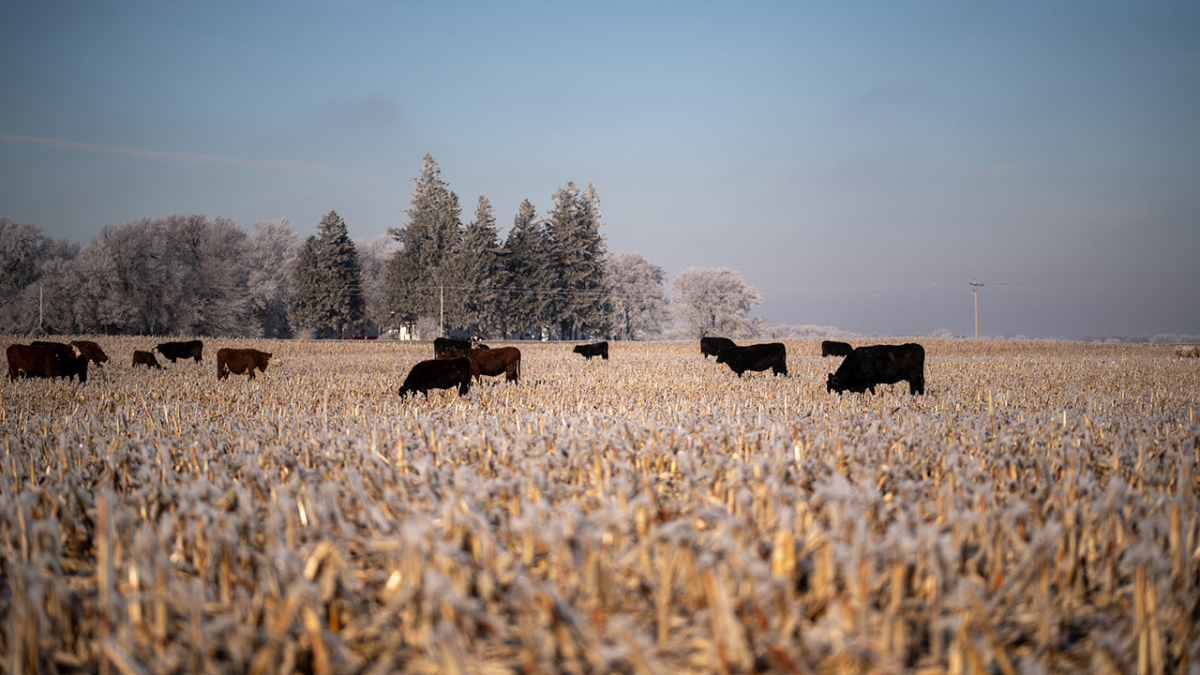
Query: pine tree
x=327, y=281
x=578, y=254
x=530, y=274
x=419, y=267
x=304, y=301
x=479, y=272
x=340, y=274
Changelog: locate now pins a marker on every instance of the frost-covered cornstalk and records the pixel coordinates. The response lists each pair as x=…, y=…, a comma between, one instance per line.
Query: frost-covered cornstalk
x=1035, y=511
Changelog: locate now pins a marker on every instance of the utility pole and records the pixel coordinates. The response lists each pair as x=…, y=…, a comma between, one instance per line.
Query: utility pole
x=975, y=291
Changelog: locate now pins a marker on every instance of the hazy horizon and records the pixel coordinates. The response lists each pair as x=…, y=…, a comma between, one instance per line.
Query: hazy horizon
x=859, y=165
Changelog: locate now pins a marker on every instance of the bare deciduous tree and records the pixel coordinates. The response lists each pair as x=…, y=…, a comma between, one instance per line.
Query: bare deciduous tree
x=714, y=302
x=638, y=296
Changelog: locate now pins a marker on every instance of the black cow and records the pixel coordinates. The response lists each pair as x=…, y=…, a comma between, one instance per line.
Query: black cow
x=772, y=355
x=866, y=367
x=595, y=349
x=193, y=349
x=439, y=374
x=709, y=346
x=835, y=348
x=440, y=345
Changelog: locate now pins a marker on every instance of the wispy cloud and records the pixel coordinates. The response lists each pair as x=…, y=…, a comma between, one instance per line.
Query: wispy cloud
x=185, y=157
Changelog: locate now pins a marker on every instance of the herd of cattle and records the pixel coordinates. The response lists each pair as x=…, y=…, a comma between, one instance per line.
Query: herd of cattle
x=55, y=359
x=457, y=362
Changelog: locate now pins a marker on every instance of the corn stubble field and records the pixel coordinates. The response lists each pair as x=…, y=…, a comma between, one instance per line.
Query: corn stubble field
x=1036, y=511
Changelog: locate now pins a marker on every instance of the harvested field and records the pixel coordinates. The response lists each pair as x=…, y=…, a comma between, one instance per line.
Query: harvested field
x=1035, y=511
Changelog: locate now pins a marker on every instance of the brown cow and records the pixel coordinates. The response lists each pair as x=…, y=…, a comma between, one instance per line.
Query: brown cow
x=147, y=359
x=91, y=351
x=238, y=361
x=490, y=362
x=441, y=373
x=46, y=360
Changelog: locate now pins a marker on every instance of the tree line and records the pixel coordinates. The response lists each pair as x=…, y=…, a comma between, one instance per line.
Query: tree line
x=550, y=277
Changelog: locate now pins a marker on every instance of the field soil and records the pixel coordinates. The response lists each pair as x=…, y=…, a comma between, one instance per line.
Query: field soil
x=1035, y=511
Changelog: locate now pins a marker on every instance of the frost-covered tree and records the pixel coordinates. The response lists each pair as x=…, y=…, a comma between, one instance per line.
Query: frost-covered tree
x=479, y=271
x=210, y=269
x=419, y=266
x=327, y=281
x=304, y=301
x=129, y=281
x=35, y=276
x=638, y=296
x=714, y=302
x=578, y=252
x=531, y=274
x=275, y=244
x=373, y=258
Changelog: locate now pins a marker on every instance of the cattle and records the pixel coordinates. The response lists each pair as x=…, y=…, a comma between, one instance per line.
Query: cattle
x=238, y=361
x=835, y=348
x=1187, y=351
x=45, y=360
x=755, y=357
x=709, y=346
x=595, y=349
x=441, y=373
x=440, y=345
x=868, y=366
x=491, y=362
x=91, y=351
x=141, y=358
x=193, y=349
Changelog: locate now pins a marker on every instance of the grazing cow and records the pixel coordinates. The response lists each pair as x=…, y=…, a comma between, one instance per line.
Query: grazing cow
x=595, y=349
x=1187, y=351
x=440, y=345
x=709, y=346
x=238, y=361
x=491, y=362
x=193, y=349
x=835, y=348
x=46, y=360
x=439, y=374
x=866, y=367
x=755, y=357
x=91, y=351
x=141, y=358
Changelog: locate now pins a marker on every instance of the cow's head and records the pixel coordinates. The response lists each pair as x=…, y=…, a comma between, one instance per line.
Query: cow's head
x=722, y=356
x=831, y=383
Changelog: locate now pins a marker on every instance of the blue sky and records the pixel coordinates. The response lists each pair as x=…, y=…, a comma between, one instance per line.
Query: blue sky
x=858, y=163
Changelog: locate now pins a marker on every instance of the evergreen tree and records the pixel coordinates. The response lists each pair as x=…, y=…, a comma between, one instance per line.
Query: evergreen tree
x=419, y=268
x=304, y=300
x=578, y=254
x=530, y=274
x=327, y=281
x=479, y=272
x=341, y=275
